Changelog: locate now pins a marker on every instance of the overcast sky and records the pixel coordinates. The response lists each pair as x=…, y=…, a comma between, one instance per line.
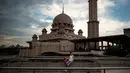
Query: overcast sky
x=20, y=19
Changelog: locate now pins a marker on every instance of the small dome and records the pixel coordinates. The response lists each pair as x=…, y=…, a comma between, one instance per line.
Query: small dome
x=34, y=36
x=63, y=18
x=44, y=30
x=80, y=31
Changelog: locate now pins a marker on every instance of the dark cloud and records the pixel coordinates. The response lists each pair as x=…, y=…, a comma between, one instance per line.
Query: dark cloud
x=21, y=14
x=14, y=3
x=17, y=14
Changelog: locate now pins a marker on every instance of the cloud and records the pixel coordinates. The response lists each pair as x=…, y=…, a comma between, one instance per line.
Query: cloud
x=4, y=39
x=18, y=16
x=110, y=25
x=17, y=20
x=14, y=40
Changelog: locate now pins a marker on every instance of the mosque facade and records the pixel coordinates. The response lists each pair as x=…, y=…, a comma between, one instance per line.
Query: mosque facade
x=58, y=40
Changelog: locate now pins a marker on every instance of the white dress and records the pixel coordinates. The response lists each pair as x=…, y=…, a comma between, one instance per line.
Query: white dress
x=71, y=58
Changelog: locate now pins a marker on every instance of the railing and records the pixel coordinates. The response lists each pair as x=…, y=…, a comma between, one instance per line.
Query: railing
x=64, y=69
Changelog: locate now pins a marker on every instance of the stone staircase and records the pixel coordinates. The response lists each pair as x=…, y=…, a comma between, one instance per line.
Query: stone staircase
x=58, y=62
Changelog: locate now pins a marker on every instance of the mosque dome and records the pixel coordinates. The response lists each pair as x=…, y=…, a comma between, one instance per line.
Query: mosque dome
x=62, y=18
x=80, y=31
x=34, y=36
x=44, y=30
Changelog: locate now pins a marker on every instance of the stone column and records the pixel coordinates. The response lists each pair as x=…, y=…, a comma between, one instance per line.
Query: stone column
x=75, y=48
x=95, y=45
x=112, y=44
x=102, y=45
x=84, y=45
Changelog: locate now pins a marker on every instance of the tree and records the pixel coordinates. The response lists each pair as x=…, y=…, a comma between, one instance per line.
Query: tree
x=116, y=51
x=2, y=46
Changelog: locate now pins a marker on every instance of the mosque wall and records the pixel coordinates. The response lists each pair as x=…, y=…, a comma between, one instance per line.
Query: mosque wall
x=66, y=46
x=63, y=45
x=30, y=52
x=49, y=47
x=25, y=52
x=21, y=53
x=40, y=47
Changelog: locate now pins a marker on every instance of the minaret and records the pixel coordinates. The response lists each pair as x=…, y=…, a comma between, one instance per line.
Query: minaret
x=93, y=23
